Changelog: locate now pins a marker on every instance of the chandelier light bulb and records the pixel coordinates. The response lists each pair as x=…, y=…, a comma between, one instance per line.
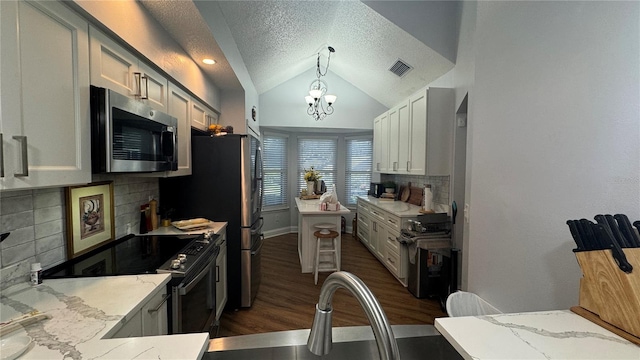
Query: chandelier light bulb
x=316, y=94
x=309, y=100
x=330, y=99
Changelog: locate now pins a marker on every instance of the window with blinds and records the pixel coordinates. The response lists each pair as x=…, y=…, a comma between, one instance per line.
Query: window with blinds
x=358, y=168
x=319, y=153
x=275, y=163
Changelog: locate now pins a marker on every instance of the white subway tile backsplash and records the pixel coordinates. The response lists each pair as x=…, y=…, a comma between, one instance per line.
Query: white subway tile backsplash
x=19, y=236
x=16, y=204
x=36, y=220
x=15, y=254
x=49, y=228
x=15, y=221
x=49, y=243
x=47, y=214
x=53, y=197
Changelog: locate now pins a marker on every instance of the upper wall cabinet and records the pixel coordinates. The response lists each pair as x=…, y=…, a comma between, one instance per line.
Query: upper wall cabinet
x=202, y=116
x=180, y=108
x=418, y=138
x=381, y=143
x=115, y=68
x=44, y=119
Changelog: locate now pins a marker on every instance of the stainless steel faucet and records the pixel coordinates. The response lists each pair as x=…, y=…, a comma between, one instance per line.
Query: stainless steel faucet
x=320, y=339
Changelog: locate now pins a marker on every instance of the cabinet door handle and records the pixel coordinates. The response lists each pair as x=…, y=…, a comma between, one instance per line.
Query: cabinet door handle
x=157, y=308
x=408, y=166
x=1, y=157
x=25, y=158
x=217, y=273
x=139, y=77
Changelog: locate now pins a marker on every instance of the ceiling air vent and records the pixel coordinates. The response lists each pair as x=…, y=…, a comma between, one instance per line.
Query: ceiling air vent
x=400, y=68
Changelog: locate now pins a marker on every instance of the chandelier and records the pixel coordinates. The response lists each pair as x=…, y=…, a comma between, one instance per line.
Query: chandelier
x=318, y=92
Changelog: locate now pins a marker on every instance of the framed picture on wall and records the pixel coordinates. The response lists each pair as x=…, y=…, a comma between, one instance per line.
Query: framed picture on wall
x=90, y=218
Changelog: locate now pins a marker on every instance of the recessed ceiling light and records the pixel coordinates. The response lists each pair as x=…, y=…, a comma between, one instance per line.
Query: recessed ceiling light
x=209, y=61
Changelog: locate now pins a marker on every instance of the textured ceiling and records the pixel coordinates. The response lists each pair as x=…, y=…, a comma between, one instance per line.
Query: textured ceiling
x=279, y=40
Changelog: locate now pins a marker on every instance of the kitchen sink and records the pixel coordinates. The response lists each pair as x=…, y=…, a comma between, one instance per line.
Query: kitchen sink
x=357, y=342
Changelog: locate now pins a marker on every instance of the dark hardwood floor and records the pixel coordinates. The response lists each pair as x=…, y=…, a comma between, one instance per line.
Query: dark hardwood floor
x=287, y=298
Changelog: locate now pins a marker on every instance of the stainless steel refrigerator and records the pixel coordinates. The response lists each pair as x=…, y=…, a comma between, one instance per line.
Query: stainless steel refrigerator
x=225, y=185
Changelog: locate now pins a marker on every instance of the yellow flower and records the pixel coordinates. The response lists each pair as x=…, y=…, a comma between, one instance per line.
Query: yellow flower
x=311, y=175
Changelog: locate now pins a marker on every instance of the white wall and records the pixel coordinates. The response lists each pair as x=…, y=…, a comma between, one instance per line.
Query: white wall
x=212, y=14
x=554, y=135
x=284, y=105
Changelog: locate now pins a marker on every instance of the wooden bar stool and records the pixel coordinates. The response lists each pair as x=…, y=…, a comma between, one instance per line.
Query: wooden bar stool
x=326, y=244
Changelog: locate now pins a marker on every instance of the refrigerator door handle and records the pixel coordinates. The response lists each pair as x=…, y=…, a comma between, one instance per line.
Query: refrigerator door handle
x=259, y=228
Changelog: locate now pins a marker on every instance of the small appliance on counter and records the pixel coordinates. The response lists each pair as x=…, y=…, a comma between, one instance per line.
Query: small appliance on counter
x=376, y=189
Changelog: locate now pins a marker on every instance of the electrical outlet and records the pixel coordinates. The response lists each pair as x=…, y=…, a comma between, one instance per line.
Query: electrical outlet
x=277, y=219
x=127, y=228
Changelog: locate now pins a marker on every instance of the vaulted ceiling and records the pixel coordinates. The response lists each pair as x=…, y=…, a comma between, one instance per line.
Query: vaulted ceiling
x=279, y=40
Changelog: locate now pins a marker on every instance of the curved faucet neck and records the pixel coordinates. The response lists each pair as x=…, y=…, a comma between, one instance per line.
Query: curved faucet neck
x=320, y=337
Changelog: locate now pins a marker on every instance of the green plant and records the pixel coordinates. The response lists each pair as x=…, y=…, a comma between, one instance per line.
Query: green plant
x=389, y=184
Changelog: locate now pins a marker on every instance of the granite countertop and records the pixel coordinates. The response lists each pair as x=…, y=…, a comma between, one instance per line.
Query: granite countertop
x=85, y=312
x=216, y=227
x=401, y=208
x=312, y=207
x=559, y=334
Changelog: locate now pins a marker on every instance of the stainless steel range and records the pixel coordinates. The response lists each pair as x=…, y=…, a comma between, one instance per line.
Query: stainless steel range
x=189, y=259
x=431, y=271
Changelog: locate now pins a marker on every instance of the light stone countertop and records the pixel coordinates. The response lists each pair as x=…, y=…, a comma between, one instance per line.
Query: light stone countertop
x=216, y=227
x=401, y=208
x=312, y=207
x=85, y=312
x=559, y=334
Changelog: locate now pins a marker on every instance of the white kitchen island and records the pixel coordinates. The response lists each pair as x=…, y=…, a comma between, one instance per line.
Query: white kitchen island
x=559, y=334
x=309, y=215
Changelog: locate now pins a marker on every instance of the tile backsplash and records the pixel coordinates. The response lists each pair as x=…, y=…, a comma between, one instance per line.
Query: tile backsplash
x=36, y=220
x=439, y=185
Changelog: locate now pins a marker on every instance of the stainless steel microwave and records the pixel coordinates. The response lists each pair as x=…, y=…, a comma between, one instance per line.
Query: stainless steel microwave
x=129, y=136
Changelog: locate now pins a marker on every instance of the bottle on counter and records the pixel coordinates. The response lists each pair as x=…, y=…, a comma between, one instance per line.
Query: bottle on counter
x=36, y=274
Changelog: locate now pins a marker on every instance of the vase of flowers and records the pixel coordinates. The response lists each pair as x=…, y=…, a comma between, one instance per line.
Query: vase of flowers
x=311, y=176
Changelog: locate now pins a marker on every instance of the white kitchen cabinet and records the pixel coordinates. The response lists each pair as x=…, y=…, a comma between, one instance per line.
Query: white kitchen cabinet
x=418, y=136
x=381, y=143
x=398, y=131
x=221, y=277
x=383, y=230
x=44, y=119
x=202, y=116
x=115, y=68
x=180, y=108
x=154, y=314
x=150, y=320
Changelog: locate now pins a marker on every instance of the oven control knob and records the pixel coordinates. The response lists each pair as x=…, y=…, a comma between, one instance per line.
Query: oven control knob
x=182, y=258
x=175, y=264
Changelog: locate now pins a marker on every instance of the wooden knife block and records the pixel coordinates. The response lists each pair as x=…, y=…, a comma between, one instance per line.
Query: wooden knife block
x=609, y=292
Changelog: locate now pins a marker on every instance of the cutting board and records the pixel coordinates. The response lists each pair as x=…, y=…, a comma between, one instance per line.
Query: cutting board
x=415, y=196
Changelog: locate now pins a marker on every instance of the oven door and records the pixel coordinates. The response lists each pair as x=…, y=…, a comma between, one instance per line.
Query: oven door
x=194, y=302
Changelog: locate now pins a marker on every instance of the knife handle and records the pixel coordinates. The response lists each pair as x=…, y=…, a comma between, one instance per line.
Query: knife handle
x=576, y=235
x=616, y=250
x=602, y=220
x=587, y=229
x=627, y=231
x=615, y=231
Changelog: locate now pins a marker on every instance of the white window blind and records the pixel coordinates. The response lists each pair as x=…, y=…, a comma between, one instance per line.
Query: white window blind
x=319, y=153
x=275, y=170
x=358, y=171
